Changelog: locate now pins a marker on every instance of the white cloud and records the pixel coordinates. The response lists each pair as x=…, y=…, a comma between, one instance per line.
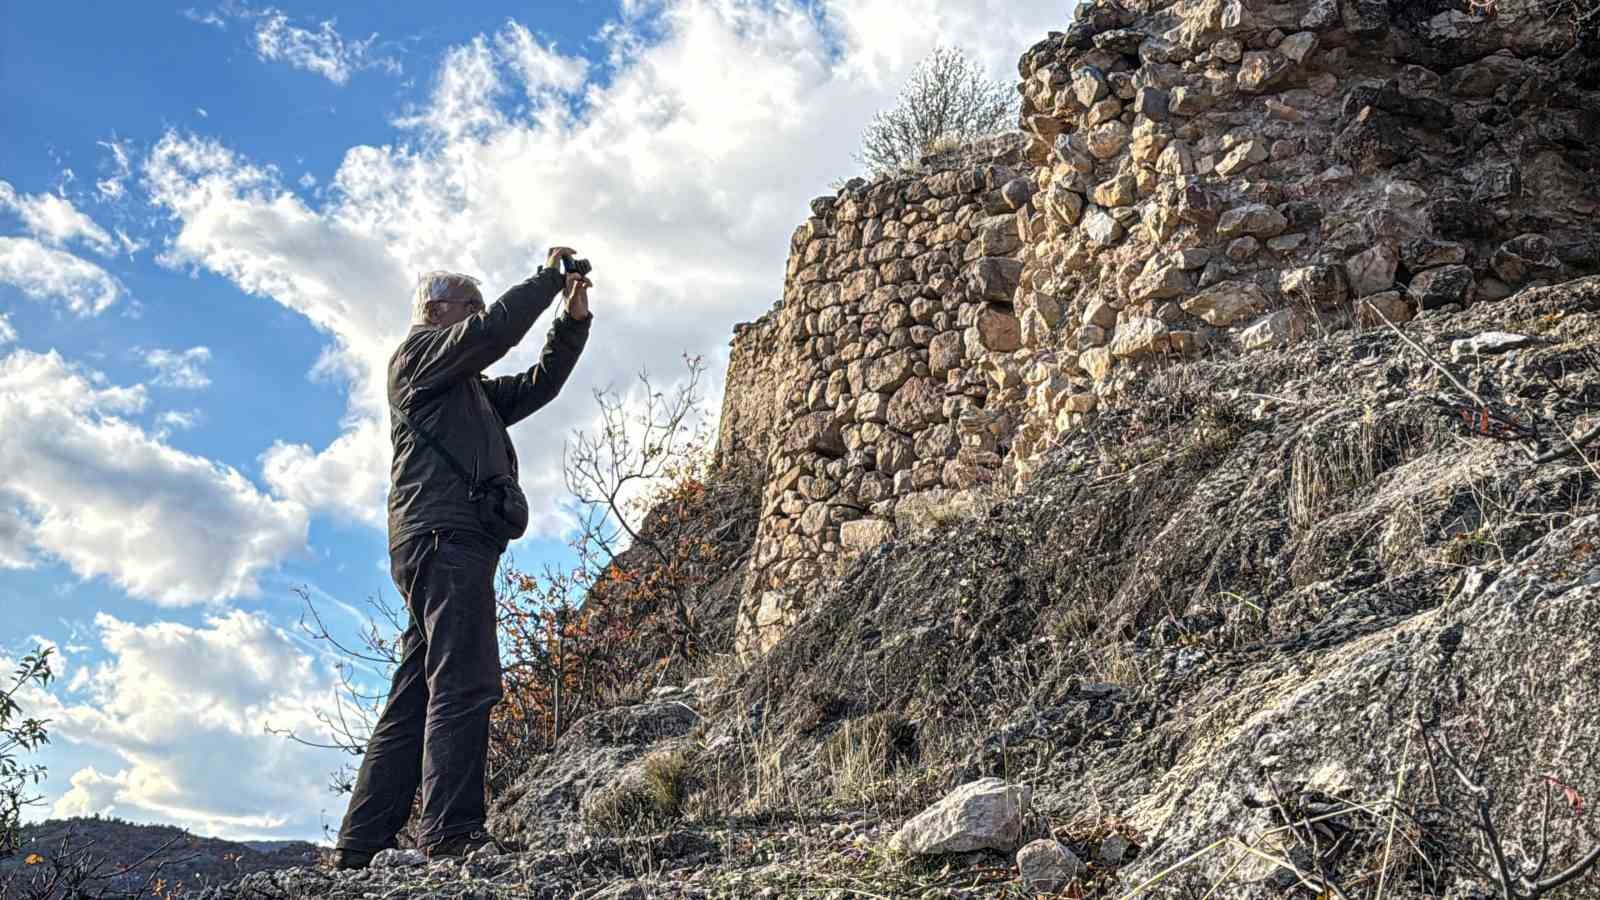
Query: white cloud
x=111, y=188
x=44, y=273
x=180, y=368
x=8, y=332
x=681, y=174
x=540, y=67
x=193, y=751
x=214, y=19
x=81, y=484
x=54, y=220
x=15, y=539
x=182, y=420
x=321, y=51
x=320, y=48
x=347, y=479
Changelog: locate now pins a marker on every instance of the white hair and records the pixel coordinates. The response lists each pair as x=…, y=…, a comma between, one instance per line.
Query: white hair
x=441, y=285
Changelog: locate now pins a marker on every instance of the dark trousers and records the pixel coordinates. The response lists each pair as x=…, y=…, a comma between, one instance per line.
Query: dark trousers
x=434, y=730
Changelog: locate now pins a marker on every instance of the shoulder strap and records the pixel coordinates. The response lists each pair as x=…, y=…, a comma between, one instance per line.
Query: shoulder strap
x=431, y=441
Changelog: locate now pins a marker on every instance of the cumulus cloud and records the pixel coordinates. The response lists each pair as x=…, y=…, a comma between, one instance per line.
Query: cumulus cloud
x=44, y=273
x=681, y=167
x=194, y=751
x=54, y=220
x=8, y=332
x=80, y=483
x=180, y=368
x=342, y=479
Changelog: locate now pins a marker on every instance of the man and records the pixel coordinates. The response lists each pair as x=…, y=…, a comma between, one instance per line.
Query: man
x=434, y=730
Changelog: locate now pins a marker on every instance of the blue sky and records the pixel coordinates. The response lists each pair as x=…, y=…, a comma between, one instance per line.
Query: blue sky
x=210, y=217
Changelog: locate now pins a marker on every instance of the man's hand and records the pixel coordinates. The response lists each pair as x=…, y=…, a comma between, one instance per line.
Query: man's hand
x=577, y=294
x=553, y=261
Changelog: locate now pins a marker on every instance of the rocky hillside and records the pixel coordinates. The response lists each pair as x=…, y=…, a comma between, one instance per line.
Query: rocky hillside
x=95, y=857
x=1194, y=494
x=1221, y=643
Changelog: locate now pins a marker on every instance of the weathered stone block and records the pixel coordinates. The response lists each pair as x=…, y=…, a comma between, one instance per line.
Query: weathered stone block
x=1443, y=286
x=1274, y=330
x=817, y=432
x=1255, y=219
x=918, y=402
x=1372, y=271
x=1140, y=336
x=999, y=330
x=995, y=278
x=944, y=353
x=984, y=814
x=1263, y=70
x=1226, y=303
x=861, y=535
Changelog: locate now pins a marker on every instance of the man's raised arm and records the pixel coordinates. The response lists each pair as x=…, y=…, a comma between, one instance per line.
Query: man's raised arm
x=516, y=397
x=468, y=347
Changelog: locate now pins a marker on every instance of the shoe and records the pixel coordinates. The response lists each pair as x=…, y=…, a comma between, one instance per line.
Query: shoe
x=464, y=845
x=343, y=859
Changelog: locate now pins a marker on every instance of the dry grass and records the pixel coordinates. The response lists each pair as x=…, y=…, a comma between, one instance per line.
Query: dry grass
x=646, y=801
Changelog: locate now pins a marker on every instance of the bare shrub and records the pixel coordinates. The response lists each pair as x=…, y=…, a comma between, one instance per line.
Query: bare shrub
x=77, y=868
x=947, y=101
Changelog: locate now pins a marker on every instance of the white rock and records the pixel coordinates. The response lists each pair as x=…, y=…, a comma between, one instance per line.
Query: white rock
x=1489, y=343
x=1274, y=330
x=979, y=815
x=1372, y=270
x=1047, y=865
x=1101, y=228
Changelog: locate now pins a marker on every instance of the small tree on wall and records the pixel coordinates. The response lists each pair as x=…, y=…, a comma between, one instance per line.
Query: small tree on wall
x=947, y=100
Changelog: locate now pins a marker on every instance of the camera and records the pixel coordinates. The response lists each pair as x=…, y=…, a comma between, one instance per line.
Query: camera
x=572, y=264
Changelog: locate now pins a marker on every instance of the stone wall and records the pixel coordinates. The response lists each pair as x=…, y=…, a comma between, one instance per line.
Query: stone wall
x=1194, y=177
x=866, y=391
x=1221, y=175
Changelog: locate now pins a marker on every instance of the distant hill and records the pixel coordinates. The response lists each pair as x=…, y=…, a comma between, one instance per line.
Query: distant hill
x=112, y=856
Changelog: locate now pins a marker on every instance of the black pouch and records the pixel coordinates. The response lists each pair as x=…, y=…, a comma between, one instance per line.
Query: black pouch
x=502, y=507
x=501, y=504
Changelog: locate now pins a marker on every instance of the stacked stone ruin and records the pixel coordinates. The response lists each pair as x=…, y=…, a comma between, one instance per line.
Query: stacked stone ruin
x=1193, y=177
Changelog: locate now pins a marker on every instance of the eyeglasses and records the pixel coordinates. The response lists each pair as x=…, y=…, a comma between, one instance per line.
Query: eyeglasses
x=470, y=301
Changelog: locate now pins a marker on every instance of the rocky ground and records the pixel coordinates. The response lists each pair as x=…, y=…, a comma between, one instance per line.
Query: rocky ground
x=1227, y=643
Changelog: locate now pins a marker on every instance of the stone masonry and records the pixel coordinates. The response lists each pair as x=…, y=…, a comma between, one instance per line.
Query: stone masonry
x=1193, y=177
x=867, y=391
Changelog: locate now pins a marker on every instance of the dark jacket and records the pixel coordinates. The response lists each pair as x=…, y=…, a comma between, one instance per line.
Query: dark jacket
x=436, y=378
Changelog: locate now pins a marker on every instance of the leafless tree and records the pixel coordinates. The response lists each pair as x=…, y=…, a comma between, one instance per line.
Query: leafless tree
x=610, y=472
x=350, y=719
x=948, y=99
